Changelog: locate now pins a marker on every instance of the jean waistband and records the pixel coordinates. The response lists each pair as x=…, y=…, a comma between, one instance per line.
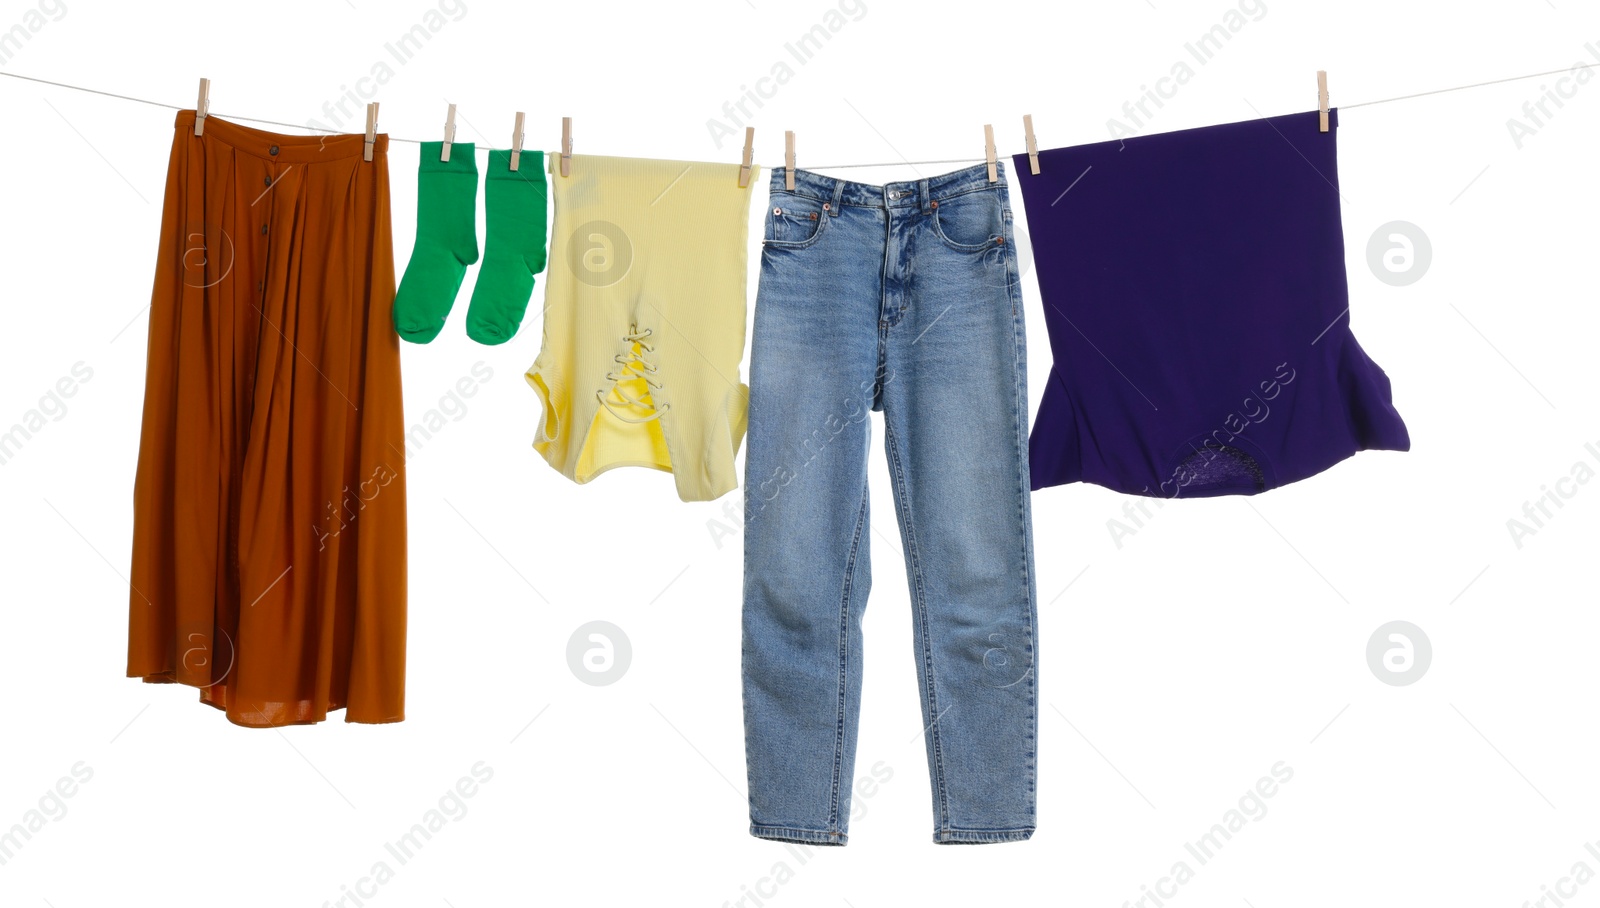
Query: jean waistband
x=906, y=194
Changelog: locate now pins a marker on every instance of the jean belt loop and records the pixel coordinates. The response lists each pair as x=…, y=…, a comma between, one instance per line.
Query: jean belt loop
x=838, y=193
x=922, y=196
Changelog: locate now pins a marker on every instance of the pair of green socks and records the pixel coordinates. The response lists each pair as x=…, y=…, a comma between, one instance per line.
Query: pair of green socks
x=447, y=242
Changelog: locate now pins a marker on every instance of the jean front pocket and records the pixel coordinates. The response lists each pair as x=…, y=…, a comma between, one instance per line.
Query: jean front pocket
x=794, y=220
x=970, y=221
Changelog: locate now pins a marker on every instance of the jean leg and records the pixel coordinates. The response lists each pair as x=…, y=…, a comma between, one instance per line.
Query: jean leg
x=806, y=573
x=955, y=421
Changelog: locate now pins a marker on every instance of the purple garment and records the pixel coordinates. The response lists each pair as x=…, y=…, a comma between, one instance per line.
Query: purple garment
x=1194, y=293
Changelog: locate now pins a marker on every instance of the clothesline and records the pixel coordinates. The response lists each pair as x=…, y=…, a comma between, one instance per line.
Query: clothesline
x=1422, y=94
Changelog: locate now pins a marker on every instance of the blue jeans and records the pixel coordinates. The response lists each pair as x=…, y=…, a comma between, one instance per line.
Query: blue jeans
x=902, y=298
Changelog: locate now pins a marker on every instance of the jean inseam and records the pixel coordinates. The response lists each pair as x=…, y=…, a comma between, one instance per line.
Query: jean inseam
x=913, y=559
x=834, y=817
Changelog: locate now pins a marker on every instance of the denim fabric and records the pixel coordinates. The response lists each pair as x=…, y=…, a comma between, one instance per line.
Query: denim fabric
x=901, y=298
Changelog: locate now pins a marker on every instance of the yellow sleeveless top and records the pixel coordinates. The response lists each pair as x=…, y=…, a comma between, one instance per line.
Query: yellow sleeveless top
x=644, y=321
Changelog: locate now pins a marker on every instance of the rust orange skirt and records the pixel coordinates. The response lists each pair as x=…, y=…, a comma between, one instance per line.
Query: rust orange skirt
x=269, y=541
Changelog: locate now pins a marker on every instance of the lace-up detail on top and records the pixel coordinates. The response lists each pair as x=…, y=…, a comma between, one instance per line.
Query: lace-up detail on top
x=634, y=379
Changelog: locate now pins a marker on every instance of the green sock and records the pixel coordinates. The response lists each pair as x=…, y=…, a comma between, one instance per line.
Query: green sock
x=514, y=208
x=447, y=241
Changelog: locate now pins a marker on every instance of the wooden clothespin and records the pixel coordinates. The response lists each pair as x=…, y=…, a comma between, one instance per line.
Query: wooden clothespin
x=449, y=133
x=1033, y=145
x=988, y=150
x=1322, y=98
x=516, y=142
x=788, y=160
x=749, y=151
x=372, y=130
x=566, y=146
x=202, y=107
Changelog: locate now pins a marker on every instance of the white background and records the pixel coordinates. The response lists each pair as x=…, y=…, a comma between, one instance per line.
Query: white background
x=1176, y=669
